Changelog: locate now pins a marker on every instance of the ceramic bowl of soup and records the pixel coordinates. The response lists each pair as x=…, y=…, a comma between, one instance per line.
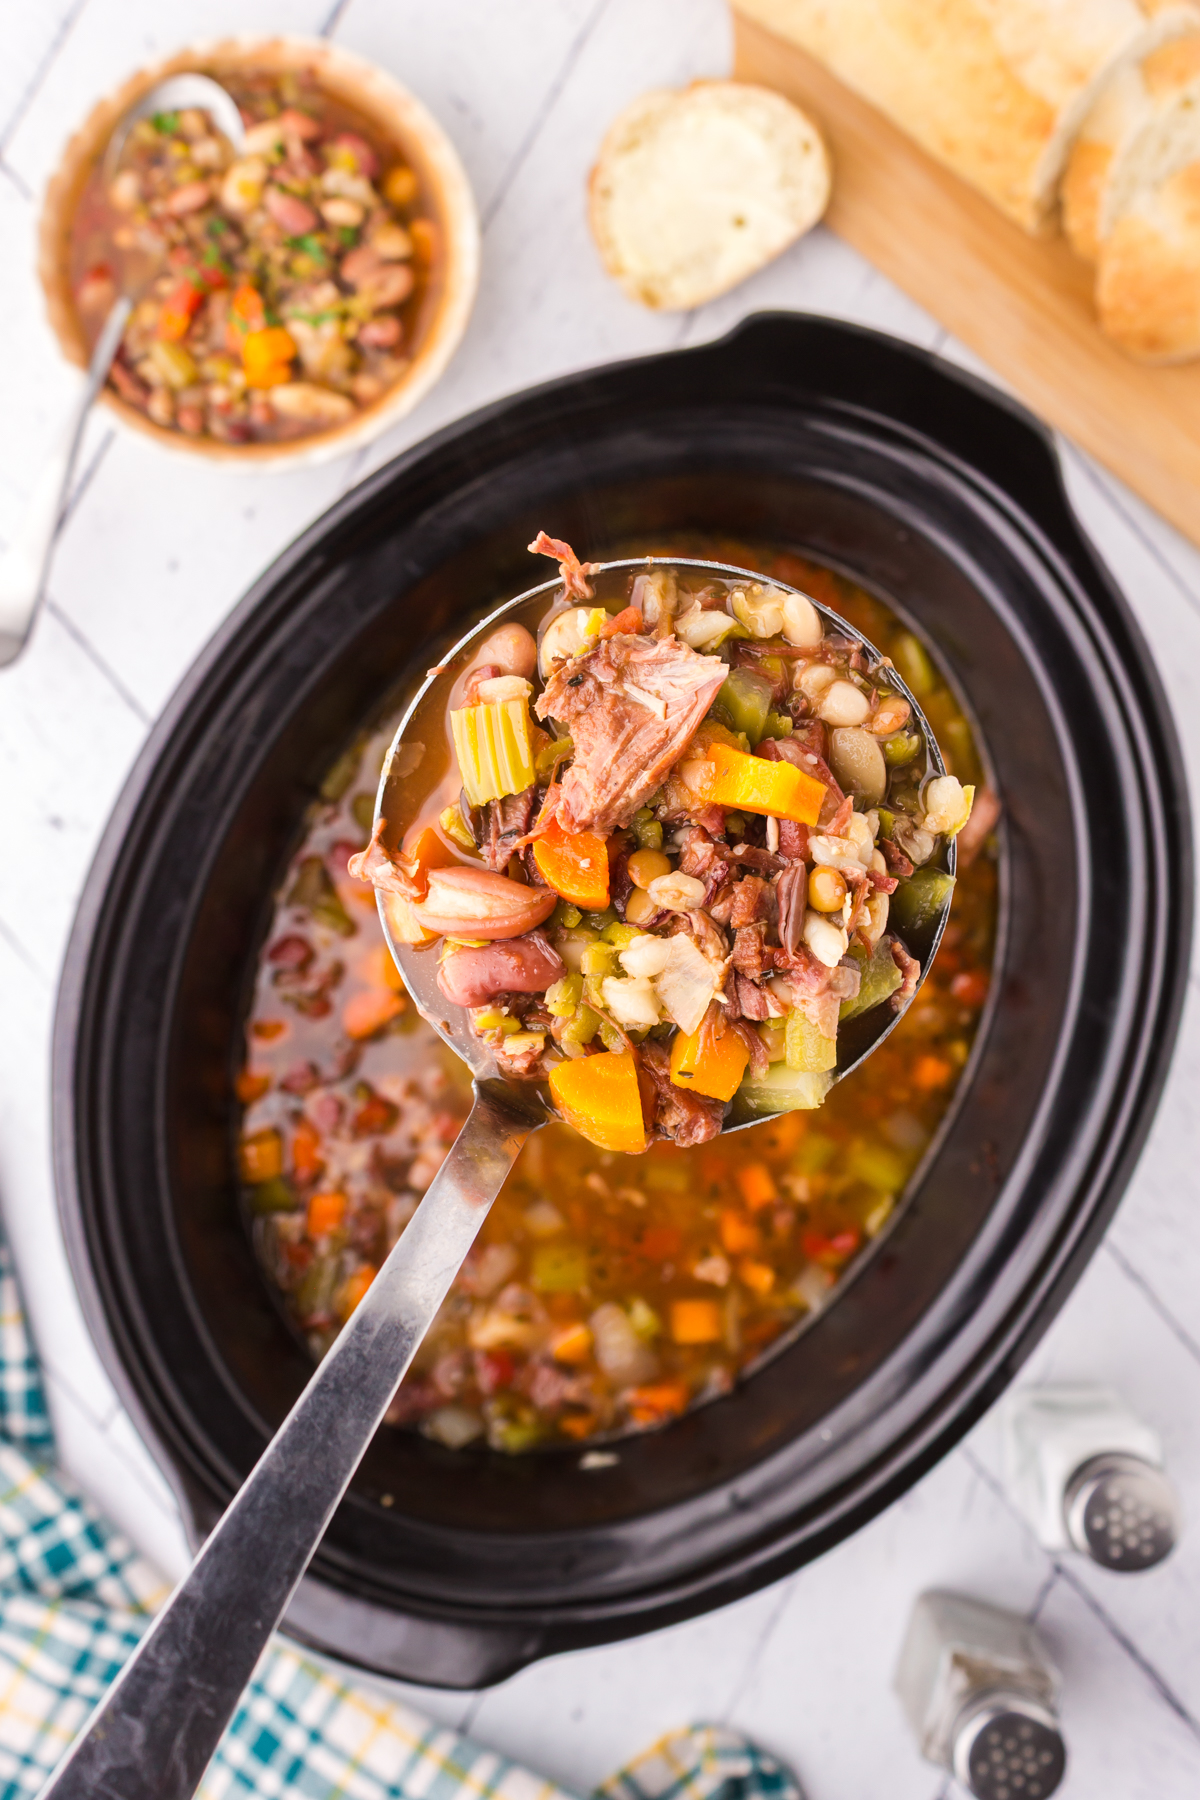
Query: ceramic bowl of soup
x=813, y=1311
x=293, y=299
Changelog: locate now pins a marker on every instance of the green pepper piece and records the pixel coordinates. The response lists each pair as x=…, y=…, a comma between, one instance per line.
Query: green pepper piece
x=313, y=890
x=744, y=702
x=880, y=979
x=276, y=1195
x=912, y=659
x=559, y=1269
x=919, y=900
x=900, y=750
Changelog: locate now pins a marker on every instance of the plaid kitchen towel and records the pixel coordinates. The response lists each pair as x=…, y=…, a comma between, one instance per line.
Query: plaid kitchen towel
x=75, y=1598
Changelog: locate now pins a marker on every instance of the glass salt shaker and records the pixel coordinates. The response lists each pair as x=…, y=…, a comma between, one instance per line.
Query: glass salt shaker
x=981, y=1695
x=1088, y=1475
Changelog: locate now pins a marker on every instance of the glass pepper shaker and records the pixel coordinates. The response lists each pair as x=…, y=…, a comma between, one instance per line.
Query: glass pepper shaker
x=981, y=1695
x=1088, y=1475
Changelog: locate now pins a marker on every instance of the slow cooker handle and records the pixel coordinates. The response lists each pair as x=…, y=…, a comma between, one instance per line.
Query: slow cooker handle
x=153, y=1735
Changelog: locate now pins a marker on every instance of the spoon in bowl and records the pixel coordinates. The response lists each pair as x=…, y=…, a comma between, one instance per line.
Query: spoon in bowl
x=154, y=1733
x=26, y=563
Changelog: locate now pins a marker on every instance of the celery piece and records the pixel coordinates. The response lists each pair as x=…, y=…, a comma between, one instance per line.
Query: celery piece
x=806, y=1048
x=600, y=959
x=778, y=725
x=899, y=751
x=620, y=935
x=562, y=997
x=645, y=1321
x=735, y=825
x=559, y=1269
x=912, y=659
x=610, y=1037
x=362, y=811
x=582, y=1028
x=495, y=757
x=488, y=1018
x=598, y=920
x=880, y=979
x=276, y=1195
x=647, y=830
x=887, y=819
x=919, y=900
x=514, y=1435
x=457, y=829
x=549, y=757
x=566, y=915
x=744, y=703
x=783, y=1090
x=313, y=890
x=877, y=1167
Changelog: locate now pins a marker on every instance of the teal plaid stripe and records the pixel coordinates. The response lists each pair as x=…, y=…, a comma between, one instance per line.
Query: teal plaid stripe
x=23, y=1416
x=75, y=1598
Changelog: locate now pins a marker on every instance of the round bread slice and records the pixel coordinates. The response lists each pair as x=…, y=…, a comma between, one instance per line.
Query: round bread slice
x=1148, y=276
x=1145, y=125
x=696, y=189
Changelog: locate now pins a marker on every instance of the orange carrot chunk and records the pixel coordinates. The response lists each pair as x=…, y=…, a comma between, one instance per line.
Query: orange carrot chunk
x=366, y=1013
x=752, y=784
x=306, y=1151
x=757, y=1185
x=695, y=1321
x=325, y=1214
x=710, y=1061
x=575, y=865
x=599, y=1096
x=353, y=1289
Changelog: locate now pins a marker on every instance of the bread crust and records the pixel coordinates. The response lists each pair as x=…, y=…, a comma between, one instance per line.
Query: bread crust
x=695, y=189
x=996, y=89
x=1148, y=278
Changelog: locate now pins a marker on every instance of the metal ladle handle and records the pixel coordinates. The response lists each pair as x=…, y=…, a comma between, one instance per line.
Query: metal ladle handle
x=155, y=1731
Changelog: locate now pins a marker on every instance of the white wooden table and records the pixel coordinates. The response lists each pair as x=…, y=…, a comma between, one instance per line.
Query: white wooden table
x=155, y=553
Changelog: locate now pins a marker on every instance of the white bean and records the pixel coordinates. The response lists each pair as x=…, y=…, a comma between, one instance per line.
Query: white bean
x=857, y=763
x=843, y=704
x=564, y=637
x=676, y=892
x=827, y=941
x=801, y=621
x=511, y=649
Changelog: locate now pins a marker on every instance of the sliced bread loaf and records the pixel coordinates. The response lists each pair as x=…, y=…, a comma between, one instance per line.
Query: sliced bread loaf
x=1148, y=276
x=696, y=189
x=996, y=89
x=1144, y=127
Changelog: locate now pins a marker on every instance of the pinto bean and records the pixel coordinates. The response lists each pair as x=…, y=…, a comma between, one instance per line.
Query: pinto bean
x=522, y=965
x=380, y=334
x=295, y=216
x=389, y=285
x=359, y=264
x=189, y=198
x=475, y=903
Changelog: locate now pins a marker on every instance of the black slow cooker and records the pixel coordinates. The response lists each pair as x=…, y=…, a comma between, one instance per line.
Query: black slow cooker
x=459, y=1567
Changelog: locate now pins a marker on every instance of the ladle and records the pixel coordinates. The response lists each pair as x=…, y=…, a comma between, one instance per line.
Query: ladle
x=154, y=1733
x=26, y=562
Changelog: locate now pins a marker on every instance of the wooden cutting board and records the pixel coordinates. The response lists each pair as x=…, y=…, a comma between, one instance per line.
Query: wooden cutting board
x=1023, y=304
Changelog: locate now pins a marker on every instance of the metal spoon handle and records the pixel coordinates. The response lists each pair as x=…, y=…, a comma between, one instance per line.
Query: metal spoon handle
x=27, y=560
x=153, y=1735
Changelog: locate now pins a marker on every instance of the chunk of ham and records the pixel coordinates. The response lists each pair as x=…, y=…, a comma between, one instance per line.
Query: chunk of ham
x=574, y=573
x=631, y=705
x=684, y=1117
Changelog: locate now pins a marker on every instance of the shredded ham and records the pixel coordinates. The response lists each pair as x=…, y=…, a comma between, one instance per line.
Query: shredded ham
x=574, y=573
x=393, y=874
x=909, y=968
x=684, y=1117
x=623, y=750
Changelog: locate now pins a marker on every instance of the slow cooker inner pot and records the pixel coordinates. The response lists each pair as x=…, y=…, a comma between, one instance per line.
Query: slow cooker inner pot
x=219, y=1368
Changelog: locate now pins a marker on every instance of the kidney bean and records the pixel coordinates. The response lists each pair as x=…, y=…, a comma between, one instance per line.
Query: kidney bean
x=189, y=198
x=365, y=158
x=524, y=965
x=295, y=216
x=381, y=333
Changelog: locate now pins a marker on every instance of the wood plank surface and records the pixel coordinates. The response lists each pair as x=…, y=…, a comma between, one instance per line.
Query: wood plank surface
x=1023, y=304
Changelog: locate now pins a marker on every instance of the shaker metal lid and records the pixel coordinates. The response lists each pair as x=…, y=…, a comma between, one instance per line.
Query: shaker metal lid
x=1121, y=1511
x=1008, y=1747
